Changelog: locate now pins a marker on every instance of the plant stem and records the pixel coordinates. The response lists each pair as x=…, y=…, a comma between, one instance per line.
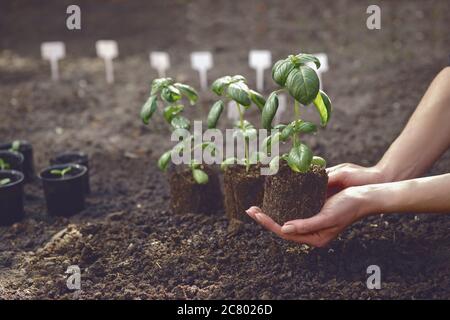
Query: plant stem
x=297, y=117
x=241, y=121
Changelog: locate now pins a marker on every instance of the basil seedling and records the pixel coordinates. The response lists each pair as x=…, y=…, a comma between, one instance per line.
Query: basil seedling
x=4, y=165
x=235, y=88
x=61, y=173
x=302, y=83
x=171, y=94
x=5, y=181
x=15, y=146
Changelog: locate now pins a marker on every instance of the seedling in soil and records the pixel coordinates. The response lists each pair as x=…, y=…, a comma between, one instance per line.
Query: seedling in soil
x=235, y=88
x=298, y=189
x=171, y=93
x=4, y=165
x=4, y=182
x=61, y=172
x=302, y=83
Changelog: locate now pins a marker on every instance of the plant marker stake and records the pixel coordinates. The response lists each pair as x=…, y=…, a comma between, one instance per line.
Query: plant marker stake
x=232, y=111
x=282, y=101
x=260, y=60
x=202, y=61
x=323, y=58
x=160, y=61
x=53, y=51
x=107, y=50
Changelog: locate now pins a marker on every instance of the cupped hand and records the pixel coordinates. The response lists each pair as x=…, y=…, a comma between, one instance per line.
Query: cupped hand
x=340, y=211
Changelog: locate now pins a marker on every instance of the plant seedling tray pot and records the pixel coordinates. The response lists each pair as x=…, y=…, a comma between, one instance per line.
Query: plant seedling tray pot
x=80, y=158
x=187, y=196
x=26, y=149
x=11, y=197
x=14, y=160
x=242, y=190
x=291, y=195
x=64, y=196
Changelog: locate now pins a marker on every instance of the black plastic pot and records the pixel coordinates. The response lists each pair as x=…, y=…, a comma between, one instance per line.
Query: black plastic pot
x=26, y=150
x=77, y=158
x=13, y=159
x=11, y=197
x=65, y=196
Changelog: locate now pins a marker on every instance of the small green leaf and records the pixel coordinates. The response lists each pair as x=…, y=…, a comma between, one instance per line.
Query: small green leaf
x=299, y=158
x=319, y=161
x=245, y=125
x=148, y=109
x=200, y=176
x=164, y=160
x=269, y=141
x=214, y=114
x=281, y=70
x=238, y=91
x=15, y=146
x=303, y=84
x=238, y=78
x=323, y=105
x=171, y=111
x=269, y=111
x=188, y=92
x=180, y=122
x=160, y=83
x=170, y=94
x=305, y=127
x=279, y=127
x=219, y=85
x=257, y=99
x=227, y=162
x=305, y=58
x=274, y=164
x=5, y=181
x=287, y=131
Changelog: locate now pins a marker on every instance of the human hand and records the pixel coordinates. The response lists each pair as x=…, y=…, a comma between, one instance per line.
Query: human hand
x=339, y=212
x=347, y=175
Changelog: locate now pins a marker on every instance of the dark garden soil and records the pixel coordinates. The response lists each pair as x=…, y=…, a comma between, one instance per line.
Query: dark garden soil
x=126, y=242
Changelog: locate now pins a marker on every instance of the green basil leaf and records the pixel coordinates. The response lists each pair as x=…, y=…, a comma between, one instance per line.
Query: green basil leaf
x=160, y=83
x=5, y=181
x=305, y=58
x=188, y=92
x=200, y=176
x=269, y=111
x=279, y=127
x=218, y=86
x=163, y=161
x=269, y=141
x=238, y=78
x=299, y=158
x=281, y=71
x=319, y=161
x=238, y=91
x=257, y=99
x=305, y=127
x=303, y=84
x=180, y=122
x=171, y=111
x=274, y=164
x=170, y=94
x=148, y=109
x=214, y=114
x=323, y=105
x=287, y=131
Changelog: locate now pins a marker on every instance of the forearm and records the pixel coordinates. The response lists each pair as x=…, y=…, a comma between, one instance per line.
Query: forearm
x=425, y=137
x=422, y=195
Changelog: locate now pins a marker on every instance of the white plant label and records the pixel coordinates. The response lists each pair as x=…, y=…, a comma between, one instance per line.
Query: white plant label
x=260, y=60
x=282, y=102
x=53, y=51
x=232, y=111
x=202, y=61
x=323, y=58
x=107, y=50
x=160, y=61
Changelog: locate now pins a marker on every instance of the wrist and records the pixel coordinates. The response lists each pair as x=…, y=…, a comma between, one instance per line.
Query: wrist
x=368, y=199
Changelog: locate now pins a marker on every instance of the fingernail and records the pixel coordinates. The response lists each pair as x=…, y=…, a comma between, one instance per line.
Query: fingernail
x=288, y=228
x=258, y=216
